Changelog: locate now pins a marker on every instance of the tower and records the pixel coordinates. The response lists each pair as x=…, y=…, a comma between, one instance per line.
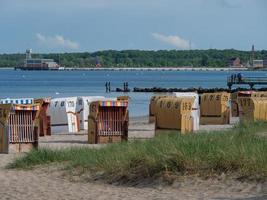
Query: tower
x=28, y=53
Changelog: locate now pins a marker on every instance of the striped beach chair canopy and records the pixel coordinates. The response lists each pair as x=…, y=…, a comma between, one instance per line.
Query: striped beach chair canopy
x=114, y=103
x=17, y=101
x=33, y=107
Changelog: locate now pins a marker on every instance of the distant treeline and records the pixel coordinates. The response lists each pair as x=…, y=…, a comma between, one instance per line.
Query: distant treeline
x=138, y=58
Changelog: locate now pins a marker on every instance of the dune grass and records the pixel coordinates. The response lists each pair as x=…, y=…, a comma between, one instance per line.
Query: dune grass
x=239, y=150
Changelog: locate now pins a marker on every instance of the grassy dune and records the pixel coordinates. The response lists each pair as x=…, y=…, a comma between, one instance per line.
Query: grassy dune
x=240, y=151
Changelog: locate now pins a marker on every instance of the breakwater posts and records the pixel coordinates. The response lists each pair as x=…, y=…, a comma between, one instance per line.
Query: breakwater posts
x=192, y=89
x=170, y=90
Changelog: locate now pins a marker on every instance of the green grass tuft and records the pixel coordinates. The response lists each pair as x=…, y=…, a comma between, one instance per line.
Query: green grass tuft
x=239, y=150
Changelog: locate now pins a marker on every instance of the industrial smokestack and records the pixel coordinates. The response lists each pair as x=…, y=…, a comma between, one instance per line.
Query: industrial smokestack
x=252, y=54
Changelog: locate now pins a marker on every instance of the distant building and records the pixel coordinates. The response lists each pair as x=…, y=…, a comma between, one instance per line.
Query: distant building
x=257, y=64
x=38, y=63
x=265, y=62
x=234, y=62
x=97, y=62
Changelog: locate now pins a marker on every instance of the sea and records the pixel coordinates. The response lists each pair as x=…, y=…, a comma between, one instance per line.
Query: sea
x=18, y=84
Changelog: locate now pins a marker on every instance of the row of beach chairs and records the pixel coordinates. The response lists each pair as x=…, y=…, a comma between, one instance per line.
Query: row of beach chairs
x=23, y=121
x=186, y=111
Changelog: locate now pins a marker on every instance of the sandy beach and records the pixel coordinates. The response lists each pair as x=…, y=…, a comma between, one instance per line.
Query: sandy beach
x=51, y=182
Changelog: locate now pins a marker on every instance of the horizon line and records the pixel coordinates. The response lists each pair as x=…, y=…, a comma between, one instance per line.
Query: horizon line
x=91, y=52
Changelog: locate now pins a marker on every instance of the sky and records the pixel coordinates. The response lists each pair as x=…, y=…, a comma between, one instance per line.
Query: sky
x=95, y=25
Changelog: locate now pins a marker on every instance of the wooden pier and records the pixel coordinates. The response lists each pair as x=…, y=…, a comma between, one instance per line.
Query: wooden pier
x=238, y=79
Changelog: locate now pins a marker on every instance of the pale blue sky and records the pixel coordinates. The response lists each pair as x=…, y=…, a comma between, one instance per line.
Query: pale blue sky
x=92, y=25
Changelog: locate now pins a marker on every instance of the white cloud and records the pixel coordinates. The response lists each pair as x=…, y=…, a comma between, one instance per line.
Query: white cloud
x=173, y=40
x=56, y=41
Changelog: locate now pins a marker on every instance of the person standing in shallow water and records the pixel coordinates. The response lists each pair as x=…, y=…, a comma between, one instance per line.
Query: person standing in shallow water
x=106, y=85
x=109, y=87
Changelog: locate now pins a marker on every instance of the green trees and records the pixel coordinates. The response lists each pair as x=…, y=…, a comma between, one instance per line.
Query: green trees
x=138, y=58
x=204, y=60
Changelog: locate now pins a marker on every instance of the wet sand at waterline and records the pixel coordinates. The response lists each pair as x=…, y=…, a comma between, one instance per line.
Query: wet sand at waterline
x=51, y=182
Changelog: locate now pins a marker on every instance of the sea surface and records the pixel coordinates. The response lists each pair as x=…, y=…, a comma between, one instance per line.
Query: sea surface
x=16, y=84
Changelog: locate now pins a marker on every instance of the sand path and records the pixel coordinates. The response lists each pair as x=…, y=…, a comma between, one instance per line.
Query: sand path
x=49, y=183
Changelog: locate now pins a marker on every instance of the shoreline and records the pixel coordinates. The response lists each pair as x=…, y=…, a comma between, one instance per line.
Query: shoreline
x=157, y=69
x=145, y=69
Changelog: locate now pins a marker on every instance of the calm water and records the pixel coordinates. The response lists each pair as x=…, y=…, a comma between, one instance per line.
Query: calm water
x=86, y=83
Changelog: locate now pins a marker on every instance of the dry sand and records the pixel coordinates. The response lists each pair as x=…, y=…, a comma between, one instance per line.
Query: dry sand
x=50, y=182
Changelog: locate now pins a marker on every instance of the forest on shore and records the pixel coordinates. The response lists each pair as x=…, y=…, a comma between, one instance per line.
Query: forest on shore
x=140, y=58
